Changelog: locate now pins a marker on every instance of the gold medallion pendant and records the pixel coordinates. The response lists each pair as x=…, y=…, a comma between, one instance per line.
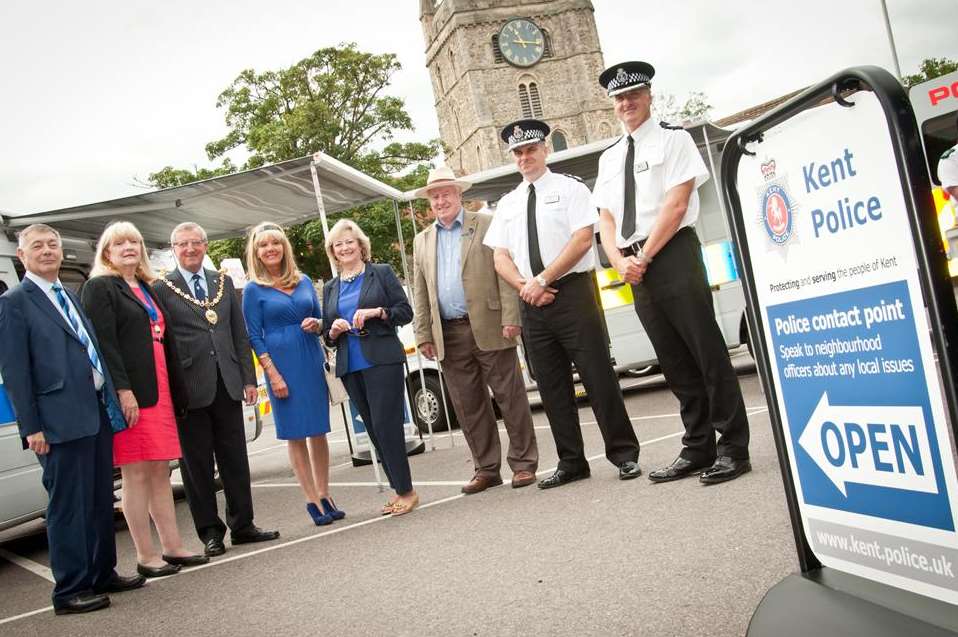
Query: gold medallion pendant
x=212, y=317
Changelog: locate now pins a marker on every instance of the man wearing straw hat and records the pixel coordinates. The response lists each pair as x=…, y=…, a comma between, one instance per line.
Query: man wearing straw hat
x=468, y=318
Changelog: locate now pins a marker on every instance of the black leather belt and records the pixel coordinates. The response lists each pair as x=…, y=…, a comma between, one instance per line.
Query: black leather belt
x=458, y=319
x=568, y=278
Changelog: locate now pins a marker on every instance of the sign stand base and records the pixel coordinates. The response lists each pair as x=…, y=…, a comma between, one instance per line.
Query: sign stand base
x=829, y=602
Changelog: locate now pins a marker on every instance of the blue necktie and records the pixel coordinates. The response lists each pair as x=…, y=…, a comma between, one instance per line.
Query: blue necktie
x=198, y=291
x=78, y=328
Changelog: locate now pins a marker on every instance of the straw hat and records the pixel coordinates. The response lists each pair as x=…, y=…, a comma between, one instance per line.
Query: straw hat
x=439, y=178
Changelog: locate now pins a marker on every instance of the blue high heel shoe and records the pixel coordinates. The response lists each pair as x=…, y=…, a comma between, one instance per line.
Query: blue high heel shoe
x=319, y=519
x=329, y=508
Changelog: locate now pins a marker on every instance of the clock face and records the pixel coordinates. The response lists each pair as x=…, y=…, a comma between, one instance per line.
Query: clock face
x=521, y=42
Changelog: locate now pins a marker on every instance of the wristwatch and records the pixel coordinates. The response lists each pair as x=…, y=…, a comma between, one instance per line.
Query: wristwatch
x=541, y=280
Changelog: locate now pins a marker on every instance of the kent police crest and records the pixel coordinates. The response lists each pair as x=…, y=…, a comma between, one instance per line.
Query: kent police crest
x=777, y=208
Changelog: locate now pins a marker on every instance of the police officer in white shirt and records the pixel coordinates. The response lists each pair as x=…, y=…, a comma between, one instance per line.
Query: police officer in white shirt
x=646, y=195
x=542, y=236
x=948, y=171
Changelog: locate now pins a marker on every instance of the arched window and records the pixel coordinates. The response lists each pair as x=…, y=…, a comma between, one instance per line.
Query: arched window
x=530, y=102
x=478, y=157
x=496, y=51
x=452, y=66
x=439, y=79
x=605, y=130
x=547, y=45
x=558, y=141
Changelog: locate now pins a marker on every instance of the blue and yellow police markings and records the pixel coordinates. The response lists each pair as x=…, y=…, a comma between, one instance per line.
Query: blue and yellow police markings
x=947, y=220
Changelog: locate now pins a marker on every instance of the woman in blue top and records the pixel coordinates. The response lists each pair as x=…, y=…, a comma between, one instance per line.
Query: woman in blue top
x=283, y=318
x=363, y=306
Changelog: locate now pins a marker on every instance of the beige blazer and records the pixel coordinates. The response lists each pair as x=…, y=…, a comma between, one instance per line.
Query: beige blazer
x=490, y=301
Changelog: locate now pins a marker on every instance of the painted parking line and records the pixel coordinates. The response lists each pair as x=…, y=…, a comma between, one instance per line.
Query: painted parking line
x=342, y=529
x=29, y=565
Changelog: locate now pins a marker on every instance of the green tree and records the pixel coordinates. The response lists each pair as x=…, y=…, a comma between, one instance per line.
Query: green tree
x=930, y=68
x=333, y=101
x=666, y=109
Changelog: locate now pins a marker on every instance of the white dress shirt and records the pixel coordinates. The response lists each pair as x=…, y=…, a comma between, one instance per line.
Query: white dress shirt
x=562, y=207
x=47, y=287
x=664, y=158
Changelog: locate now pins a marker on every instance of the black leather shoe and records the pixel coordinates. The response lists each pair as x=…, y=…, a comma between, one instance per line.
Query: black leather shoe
x=157, y=571
x=214, y=547
x=83, y=603
x=120, y=584
x=253, y=534
x=561, y=477
x=629, y=470
x=189, y=560
x=725, y=469
x=680, y=468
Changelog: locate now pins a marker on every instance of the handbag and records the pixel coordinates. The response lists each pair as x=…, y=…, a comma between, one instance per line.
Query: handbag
x=334, y=386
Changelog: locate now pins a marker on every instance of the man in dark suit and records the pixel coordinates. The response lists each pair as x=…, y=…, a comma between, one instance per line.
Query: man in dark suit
x=67, y=410
x=207, y=320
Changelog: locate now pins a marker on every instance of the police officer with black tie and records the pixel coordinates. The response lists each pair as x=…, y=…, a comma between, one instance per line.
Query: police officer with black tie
x=542, y=235
x=647, y=200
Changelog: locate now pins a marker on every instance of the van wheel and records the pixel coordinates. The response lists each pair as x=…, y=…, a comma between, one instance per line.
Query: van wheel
x=428, y=407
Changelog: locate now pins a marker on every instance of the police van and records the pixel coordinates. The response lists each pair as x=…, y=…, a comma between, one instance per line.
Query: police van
x=935, y=103
x=630, y=348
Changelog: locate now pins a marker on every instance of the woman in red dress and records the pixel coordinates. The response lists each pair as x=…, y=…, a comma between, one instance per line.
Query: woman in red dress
x=130, y=325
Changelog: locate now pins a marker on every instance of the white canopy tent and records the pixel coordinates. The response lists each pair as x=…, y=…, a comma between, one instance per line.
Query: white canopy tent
x=287, y=193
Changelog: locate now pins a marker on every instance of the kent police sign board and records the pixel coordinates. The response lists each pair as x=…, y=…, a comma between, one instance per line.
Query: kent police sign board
x=845, y=328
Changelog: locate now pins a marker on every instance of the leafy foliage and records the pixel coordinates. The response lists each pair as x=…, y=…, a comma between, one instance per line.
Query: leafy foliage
x=333, y=101
x=665, y=108
x=930, y=68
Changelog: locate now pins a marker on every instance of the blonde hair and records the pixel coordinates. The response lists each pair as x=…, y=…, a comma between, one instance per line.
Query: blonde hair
x=340, y=228
x=257, y=272
x=115, y=232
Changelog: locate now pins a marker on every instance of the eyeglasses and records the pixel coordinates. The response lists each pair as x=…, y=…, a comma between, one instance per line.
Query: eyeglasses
x=192, y=243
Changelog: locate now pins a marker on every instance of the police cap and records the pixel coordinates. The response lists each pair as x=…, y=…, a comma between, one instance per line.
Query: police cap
x=626, y=76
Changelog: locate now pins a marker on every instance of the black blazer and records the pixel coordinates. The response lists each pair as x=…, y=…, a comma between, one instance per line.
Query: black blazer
x=382, y=289
x=122, y=326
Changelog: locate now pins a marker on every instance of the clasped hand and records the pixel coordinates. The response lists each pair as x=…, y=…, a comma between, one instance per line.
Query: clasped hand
x=311, y=324
x=534, y=294
x=632, y=269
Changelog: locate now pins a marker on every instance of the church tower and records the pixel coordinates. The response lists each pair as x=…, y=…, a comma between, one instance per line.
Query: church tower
x=496, y=61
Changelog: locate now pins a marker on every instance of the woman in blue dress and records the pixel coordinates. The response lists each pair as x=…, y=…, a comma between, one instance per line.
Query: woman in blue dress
x=284, y=318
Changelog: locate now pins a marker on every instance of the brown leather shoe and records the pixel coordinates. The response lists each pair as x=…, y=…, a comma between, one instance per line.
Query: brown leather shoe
x=522, y=479
x=480, y=483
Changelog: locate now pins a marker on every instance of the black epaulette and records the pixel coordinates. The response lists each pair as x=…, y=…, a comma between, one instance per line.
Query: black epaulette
x=613, y=143
x=668, y=126
x=948, y=153
x=576, y=177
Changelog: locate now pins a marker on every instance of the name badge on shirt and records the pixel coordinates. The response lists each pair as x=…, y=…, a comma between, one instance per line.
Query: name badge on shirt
x=641, y=167
x=552, y=198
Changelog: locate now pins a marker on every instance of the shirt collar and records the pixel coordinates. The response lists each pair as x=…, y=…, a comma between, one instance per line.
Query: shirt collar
x=42, y=283
x=188, y=276
x=643, y=131
x=540, y=181
x=458, y=220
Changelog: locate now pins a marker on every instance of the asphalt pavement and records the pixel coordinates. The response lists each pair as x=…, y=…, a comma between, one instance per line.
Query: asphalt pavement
x=596, y=557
